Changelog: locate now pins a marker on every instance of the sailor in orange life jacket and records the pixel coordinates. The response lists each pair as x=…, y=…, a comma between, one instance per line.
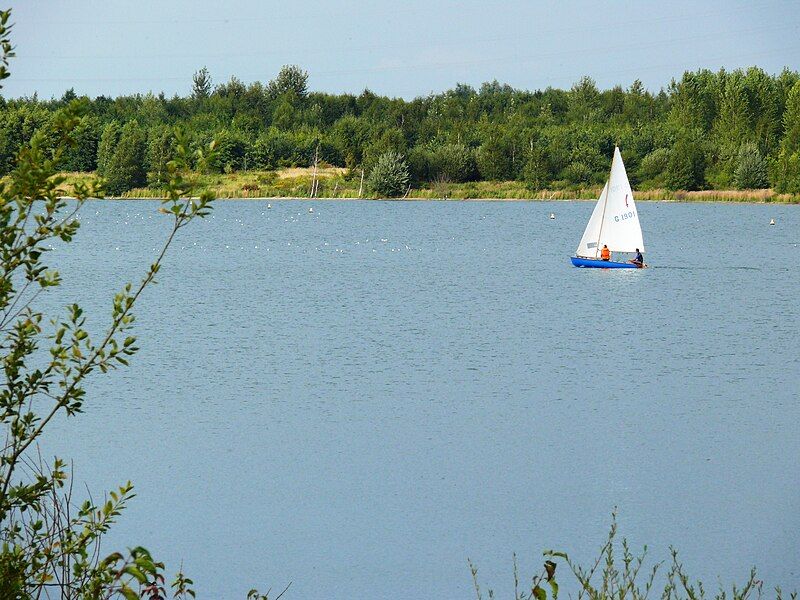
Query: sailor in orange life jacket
x=605, y=253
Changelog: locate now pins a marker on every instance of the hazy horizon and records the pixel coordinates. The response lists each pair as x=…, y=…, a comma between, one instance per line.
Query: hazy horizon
x=400, y=51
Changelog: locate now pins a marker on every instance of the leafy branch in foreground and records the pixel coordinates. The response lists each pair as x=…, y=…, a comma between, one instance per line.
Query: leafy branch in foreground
x=50, y=543
x=619, y=574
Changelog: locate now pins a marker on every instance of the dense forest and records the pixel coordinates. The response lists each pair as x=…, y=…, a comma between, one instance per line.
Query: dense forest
x=708, y=130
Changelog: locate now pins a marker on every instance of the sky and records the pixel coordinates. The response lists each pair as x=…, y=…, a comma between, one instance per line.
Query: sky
x=400, y=49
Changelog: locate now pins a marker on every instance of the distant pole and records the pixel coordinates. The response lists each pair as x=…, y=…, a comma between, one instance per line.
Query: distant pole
x=361, y=186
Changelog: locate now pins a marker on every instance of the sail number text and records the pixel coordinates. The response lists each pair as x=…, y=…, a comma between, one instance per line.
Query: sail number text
x=624, y=216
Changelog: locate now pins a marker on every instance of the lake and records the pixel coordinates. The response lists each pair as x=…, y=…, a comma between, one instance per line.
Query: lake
x=358, y=399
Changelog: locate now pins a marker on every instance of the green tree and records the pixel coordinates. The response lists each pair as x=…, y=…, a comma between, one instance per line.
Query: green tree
x=232, y=147
x=765, y=109
x=686, y=166
x=284, y=116
x=389, y=177
x=638, y=103
x=584, y=99
x=291, y=79
x=453, y=162
x=419, y=164
x=786, y=167
x=751, y=168
x=694, y=100
x=731, y=128
x=16, y=126
x=82, y=156
x=160, y=151
x=126, y=169
x=791, y=121
x=536, y=172
x=495, y=159
x=349, y=134
x=734, y=117
x=577, y=173
x=270, y=149
x=786, y=172
x=654, y=166
x=575, y=129
x=588, y=157
x=201, y=84
x=107, y=146
x=390, y=139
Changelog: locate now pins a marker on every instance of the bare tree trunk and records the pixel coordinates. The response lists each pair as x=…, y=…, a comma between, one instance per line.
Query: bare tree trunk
x=313, y=193
x=361, y=186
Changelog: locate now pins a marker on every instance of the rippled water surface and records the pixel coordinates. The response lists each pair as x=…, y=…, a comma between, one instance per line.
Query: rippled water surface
x=359, y=398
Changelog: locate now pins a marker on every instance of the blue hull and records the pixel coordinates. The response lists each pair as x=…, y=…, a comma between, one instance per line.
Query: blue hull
x=601, y=264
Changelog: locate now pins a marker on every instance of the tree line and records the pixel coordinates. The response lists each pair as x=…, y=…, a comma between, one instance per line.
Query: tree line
x=707, y=130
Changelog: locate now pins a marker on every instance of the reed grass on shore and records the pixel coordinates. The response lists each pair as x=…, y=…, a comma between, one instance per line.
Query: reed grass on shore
x=339, y=183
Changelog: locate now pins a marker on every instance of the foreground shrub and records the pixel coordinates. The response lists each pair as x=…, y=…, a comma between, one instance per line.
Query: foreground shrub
x=50, y=540
x=617, y=573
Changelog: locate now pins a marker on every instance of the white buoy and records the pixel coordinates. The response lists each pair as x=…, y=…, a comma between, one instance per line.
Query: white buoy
x=552, y=215
x=269, y=205
x=310, y=210
x=772, y=221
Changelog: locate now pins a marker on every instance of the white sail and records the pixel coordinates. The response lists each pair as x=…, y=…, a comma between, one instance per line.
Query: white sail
x=615, y=220
x=587, y=248
x=621, y=230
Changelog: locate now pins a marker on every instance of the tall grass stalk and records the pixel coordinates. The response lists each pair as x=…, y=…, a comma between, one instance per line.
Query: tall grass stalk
x=617, y=573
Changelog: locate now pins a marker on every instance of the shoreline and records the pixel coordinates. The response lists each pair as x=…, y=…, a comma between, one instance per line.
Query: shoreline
x=332, y=184
x=713, y=200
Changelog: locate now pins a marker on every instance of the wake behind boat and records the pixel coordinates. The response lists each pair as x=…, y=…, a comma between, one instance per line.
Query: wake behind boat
x=614, y=224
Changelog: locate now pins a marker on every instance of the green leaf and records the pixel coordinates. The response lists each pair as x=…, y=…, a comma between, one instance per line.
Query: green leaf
x=539, y=593
x=128, y=593
x=135, y=573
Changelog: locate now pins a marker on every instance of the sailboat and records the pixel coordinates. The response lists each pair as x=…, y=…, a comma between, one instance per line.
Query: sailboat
x=614, y=223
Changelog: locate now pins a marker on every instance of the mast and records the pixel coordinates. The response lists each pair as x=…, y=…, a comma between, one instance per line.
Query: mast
x=605, y=203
